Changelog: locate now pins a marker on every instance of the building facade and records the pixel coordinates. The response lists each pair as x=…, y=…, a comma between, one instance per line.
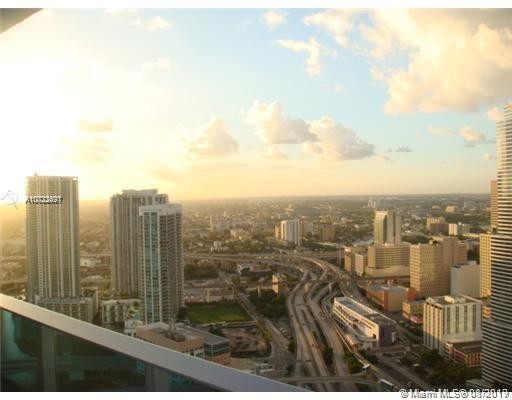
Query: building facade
x=387, y=227
x=389, y=255
x=124, y=223
x=451, y=319
x=497, y=338
x=465, y=279
x=290, y=231
x=485, y=265
x=365, y=320
x=161, y=260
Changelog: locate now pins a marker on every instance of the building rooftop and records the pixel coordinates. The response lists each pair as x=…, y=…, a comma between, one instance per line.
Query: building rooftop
x=448, y=300
x=364, y=311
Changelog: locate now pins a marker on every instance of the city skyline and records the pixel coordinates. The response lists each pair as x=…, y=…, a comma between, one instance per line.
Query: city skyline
x=275, y=101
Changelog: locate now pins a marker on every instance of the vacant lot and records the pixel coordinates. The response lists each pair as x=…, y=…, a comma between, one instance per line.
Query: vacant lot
x=208, y=313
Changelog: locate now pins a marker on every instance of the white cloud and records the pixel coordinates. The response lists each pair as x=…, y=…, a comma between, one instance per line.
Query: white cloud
x=495, y=114
x=313, y=49
x=457, y=60
x=158, y=23
x=273, y=152
x=338, y=88
x=158, y=64
x=273, y=18
x=273, y=128
x=489, y=156
x=137, y=23
x=470, y=136
x=337, y=22
x=335, y=142
x=212, y=140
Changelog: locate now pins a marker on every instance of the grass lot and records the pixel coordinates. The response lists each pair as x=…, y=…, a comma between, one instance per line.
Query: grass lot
x=208, y=313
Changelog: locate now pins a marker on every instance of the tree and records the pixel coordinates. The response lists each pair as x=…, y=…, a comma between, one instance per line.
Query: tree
x=327, y=354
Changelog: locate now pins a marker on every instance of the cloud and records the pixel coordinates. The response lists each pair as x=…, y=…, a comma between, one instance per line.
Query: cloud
x=422, y=53
x=489, y=156
x=275, y=153
x=403, y=149
x=338, y=89
x=313, y=49
x=161, y=63
x=95, y=125
x=85, y=150
x=337, y=22
x=470, y=136
x=212, y=140
x=273, y=18
x=273, y=128
x=158, y=23
x=335, y=142
x=495, y=114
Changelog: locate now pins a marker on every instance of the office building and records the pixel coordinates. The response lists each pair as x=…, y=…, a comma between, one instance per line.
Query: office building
x=387, y=227
x=494, y=205
x=124, y=220
x=387, y=297
x=437, y=225
x=59, y=353
x=458, y=229
x=465, y=279
x=365, y=320
x=360, y=263
x=451, y=319
x=349, y=256
x=431, y=262
x=161, y=261
x=485, y=265
x=389, y=255
x=290, y=231
x=497, y=342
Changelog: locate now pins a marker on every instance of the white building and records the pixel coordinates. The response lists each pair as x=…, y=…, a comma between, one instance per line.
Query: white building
x=465, y=279
x=451, y=319
x=117, y=311
x=365, y=320
x=290, y=231
x=161, y=261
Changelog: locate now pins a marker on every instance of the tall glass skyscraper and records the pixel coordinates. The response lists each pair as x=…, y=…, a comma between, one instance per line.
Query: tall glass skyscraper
x=497, y=331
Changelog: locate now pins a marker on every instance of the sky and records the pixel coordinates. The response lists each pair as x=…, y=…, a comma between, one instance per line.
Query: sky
x=239, y=103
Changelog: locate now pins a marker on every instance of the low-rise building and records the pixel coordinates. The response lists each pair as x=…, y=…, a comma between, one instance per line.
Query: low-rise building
x=365, y=320
x=188, y=340
x=413, y=311
x=467, y=353
x=387, y=297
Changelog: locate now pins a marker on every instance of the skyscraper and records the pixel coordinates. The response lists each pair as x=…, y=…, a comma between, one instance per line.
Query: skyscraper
x=290, y=231
x=494, y=205
x=387, y=228
x=485, y=265
x=124, y=219
x=53, y=246
x=161, y=261
x=431, y=263
x=53, y=242
x=497, y=337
